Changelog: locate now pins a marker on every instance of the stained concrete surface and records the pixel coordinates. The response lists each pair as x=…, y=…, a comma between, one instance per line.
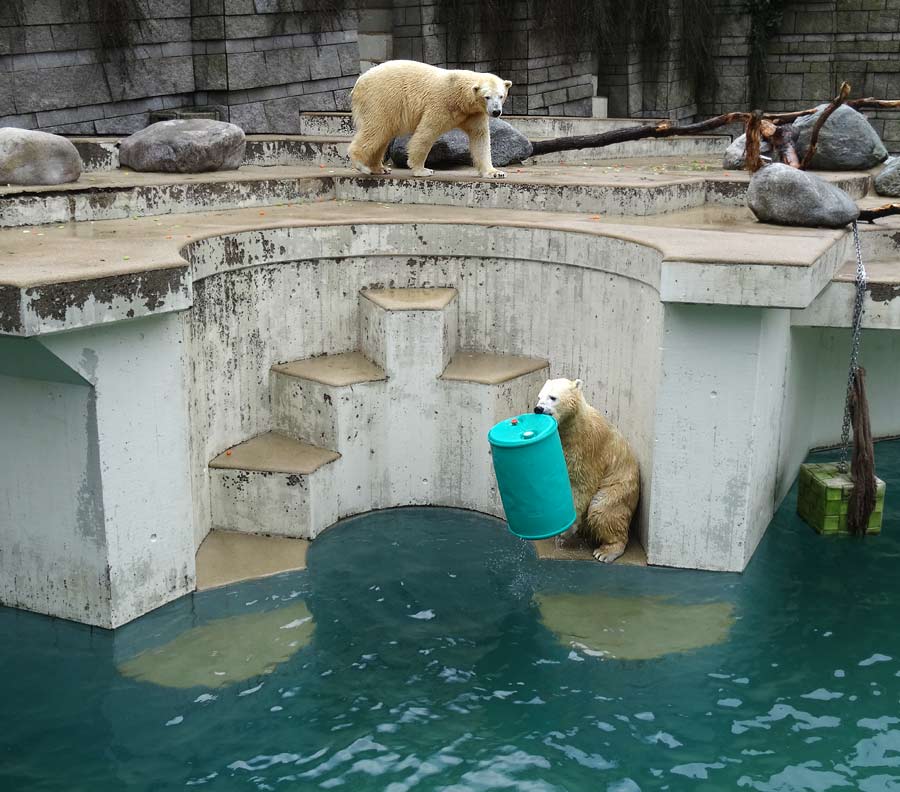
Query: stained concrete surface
x=347, y=368
x=489, y=369
x=275, y=453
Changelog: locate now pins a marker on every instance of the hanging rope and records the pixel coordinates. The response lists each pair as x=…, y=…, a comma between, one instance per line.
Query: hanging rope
x=856, y=413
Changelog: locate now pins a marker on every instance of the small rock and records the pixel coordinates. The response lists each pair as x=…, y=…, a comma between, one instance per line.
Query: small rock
x=735, y=154
x=787, y=196
x=847, y=141
x=184, y=146
x=29, y=157
x=508, y=145
x=887, y=182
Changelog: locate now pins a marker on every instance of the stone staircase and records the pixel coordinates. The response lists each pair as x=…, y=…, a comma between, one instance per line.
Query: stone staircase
x=402, y=420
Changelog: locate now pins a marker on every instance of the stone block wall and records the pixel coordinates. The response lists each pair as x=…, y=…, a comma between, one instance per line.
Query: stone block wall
x=53, y=77
x=545, y=80
x=259, y=61
x=817, y=46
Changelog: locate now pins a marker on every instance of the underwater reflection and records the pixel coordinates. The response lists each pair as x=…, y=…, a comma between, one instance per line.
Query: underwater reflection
x=633, y=628
x=225, y=651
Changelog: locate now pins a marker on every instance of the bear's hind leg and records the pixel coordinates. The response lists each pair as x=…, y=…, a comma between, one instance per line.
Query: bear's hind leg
x=607, y=523
x=366, y=157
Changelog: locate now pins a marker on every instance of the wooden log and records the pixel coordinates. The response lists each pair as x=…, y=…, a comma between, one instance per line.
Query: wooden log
x=752, y=161
x=871, y=215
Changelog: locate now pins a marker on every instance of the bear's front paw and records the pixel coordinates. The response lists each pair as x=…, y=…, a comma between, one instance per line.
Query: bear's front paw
x=384, y=170
x=494, y=174
x=422, y=172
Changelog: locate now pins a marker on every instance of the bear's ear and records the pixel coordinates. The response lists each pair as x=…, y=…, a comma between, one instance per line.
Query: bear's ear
x=508, y=84
x=578, y=383
x=476, y=88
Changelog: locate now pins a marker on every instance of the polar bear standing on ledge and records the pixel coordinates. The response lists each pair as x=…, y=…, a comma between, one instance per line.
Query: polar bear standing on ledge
x=406, y=97
x=602, y=468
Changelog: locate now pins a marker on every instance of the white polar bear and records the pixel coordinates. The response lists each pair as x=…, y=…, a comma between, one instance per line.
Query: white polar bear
x=406, y=97
x=602, y=468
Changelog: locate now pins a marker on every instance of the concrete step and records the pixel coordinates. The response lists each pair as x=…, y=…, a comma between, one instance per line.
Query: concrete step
x=833, y=307
x=318, y=400
x=685, y=146
x=410, y=333
x=484, y=368
x=227, y=557
x=340, y=125
x=271, y=484
x=102, y=154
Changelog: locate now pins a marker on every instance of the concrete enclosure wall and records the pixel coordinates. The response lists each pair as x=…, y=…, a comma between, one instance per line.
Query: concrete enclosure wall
x=588, y=305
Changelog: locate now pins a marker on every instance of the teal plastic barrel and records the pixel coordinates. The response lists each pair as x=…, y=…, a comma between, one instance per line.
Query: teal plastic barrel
x=532, y=476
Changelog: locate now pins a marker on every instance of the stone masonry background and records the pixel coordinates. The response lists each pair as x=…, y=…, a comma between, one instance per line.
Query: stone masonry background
x=260, y=62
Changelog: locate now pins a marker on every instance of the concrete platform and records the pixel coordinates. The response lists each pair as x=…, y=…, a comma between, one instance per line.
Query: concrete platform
x=488, y=369
x=548, y=549
x=150, y=343
x=227, y=557
x=274, y=453
x=348, y=368
x=410, y=299
x=639, y=187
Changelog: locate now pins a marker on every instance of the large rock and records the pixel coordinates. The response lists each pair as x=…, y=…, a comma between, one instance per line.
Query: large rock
x=29, y=157
x=787, y=196
x=847, y=141
x=887, y=182
x=508, y=145
x=735, y=154
x=184, y=146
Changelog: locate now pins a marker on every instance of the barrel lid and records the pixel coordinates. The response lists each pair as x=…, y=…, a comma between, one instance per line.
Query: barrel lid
x=521, y=430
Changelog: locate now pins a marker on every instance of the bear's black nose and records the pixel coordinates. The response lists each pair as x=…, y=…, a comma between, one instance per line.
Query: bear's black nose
x=539, y=410
x=496, y=113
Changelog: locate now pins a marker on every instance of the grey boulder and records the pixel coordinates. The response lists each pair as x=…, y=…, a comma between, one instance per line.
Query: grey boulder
x=736, y=153
x=847, y=140
x=788, y=196
x=29, y=157
x=887, y=182
x=184, y=146
x=508, y=145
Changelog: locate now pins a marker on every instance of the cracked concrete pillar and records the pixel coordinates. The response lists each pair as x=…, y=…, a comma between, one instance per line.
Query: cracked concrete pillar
x=375, y=33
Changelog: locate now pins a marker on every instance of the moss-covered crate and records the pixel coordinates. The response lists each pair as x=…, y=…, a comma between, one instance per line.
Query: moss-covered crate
x=823, y=497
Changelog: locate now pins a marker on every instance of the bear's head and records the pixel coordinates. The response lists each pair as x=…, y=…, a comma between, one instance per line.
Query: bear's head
x=560, y=398
x=490, y=93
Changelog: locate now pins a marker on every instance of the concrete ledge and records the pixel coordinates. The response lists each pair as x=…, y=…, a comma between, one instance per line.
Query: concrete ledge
x=274, y=453
x=348, y=368
x=227, y=557
x=341, y=124
x=488, y=369
x=410, y=299
x=634, y=554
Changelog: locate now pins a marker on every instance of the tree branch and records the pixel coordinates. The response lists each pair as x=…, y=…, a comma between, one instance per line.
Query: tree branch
x=820, y=122
x=773, y=127
x=871, y=215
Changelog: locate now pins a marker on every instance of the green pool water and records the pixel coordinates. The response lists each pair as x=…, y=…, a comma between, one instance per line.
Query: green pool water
x=431, y=650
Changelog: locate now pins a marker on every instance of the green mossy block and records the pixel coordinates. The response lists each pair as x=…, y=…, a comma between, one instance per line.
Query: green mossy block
x=823, y=497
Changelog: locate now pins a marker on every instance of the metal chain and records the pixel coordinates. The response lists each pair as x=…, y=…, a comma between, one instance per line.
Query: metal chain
x=854, y=348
